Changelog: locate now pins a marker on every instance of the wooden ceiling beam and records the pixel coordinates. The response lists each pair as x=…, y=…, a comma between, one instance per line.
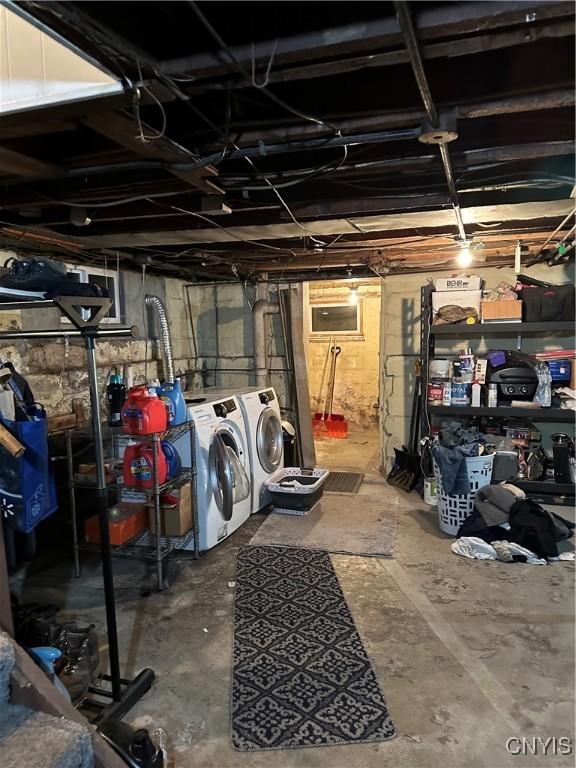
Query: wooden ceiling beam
x=558, y=98
x=16, y=164
x=122, y=129
x=455, y=19
x=454, y=48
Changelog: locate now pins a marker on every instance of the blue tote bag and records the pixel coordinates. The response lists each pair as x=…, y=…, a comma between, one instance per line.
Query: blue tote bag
x=27, y=492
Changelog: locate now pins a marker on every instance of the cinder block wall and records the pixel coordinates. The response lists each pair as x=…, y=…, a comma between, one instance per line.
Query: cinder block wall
x=357, y=367
x=217, y=337
x=400, y=344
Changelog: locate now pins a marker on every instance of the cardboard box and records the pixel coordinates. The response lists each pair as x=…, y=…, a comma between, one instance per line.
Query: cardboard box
x=502, y=311
x=176, y=521
x=461, y=283
x=459, y=298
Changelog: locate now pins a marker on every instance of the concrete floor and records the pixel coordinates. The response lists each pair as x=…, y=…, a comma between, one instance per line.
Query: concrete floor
x=468, y=653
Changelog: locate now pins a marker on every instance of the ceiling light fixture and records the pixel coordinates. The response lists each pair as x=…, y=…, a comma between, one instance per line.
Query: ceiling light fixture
x=464, y=258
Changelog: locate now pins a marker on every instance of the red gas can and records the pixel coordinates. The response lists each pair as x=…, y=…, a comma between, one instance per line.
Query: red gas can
x=138, y=466
x=144, y=412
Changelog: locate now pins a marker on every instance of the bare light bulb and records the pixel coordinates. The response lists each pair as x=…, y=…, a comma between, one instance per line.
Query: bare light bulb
x=353, y=295
x=464, y=258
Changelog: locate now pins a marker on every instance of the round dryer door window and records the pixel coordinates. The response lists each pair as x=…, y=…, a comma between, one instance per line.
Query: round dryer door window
x=221, y=477
x=269, y=440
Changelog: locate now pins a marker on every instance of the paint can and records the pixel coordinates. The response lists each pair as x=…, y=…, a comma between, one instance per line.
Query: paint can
x=430, y=496
x=435, y=393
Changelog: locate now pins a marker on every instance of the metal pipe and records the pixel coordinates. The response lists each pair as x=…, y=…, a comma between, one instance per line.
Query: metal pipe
x=102, y=500
x=409, y=34
x=99, y=333
x=446, y=162
x=261, y=308
x=165, y=340
x=413, y=49
x=262, y=150
x=72, y=502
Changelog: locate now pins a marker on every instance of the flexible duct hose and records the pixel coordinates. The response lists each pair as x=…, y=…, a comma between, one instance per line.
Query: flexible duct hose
x=165, y=341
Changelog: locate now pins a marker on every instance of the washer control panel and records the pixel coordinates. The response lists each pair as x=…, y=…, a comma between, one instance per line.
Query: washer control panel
x=224, y=408
x=267, y=397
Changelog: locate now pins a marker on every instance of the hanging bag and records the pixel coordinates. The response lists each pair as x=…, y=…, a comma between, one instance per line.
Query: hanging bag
x=27, y=491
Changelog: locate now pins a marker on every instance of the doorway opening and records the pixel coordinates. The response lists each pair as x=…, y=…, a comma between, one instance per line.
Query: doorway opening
x=342, y=342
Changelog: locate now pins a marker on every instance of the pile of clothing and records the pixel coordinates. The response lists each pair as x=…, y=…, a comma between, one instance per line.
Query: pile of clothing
x=505, y=525
x=454, y=446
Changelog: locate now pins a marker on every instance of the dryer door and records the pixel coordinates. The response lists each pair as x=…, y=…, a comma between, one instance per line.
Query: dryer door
x=220, y=475
x=269, y=440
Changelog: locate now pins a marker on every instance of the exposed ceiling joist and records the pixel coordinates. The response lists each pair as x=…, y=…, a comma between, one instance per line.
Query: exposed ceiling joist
x=432, y=23
x=16, y=164
x=425, y=219
x=122, y=129
x=509, y=105
x=480, y=43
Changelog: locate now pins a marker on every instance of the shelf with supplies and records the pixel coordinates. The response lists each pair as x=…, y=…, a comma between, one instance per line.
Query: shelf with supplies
x=152, y=543
x=503, y=329
x=509, y=394
x=560, y=415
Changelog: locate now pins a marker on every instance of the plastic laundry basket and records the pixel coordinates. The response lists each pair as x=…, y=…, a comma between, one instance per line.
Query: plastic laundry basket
x=454, y=509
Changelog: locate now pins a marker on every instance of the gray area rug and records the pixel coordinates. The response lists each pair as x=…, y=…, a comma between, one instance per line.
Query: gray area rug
x=343, y=482
x=365, y=525
x=302, y=677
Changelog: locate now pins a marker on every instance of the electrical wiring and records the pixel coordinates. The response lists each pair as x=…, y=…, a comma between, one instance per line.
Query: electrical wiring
x=323, y=170
x=266, y=80
x=219, y=226
x=136, y=104
x=226, y=49
x=249, y=161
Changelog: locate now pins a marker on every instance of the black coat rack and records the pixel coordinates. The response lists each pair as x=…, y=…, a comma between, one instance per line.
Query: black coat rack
x=85, y=314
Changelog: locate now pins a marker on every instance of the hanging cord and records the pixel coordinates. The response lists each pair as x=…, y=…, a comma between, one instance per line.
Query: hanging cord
x=227, y=50
x=144, y=323
x=266, y=80
x=136, y=107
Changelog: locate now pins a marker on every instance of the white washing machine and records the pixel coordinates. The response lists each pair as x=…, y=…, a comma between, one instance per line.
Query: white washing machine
x=219, y=424
x=265, y=439
x=263, y=422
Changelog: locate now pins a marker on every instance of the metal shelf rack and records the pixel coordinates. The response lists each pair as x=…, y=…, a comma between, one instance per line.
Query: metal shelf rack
x=139, y=546
x=428, y=334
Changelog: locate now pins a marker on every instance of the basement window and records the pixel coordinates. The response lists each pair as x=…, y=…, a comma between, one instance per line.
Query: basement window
x=106, y=280
x=336, y=319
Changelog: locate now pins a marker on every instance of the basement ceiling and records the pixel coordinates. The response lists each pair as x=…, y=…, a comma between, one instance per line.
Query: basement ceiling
x=248, y=142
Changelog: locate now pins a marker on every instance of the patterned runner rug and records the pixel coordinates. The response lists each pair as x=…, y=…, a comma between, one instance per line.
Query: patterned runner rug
x=302, y=677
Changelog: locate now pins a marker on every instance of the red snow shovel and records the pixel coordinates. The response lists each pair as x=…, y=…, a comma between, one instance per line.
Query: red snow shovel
x=334, y=424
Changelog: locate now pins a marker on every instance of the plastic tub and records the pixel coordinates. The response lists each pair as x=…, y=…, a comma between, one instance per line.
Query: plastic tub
x=296, y=488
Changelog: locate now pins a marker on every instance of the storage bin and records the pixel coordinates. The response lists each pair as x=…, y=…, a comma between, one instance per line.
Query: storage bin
x=462, y=283
x=502, y=311
x=296, y=488
x=454, y=509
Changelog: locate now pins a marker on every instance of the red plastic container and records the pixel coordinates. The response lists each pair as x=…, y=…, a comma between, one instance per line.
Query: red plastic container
x=144, y=413
x=138, y=466
x=131, y=521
